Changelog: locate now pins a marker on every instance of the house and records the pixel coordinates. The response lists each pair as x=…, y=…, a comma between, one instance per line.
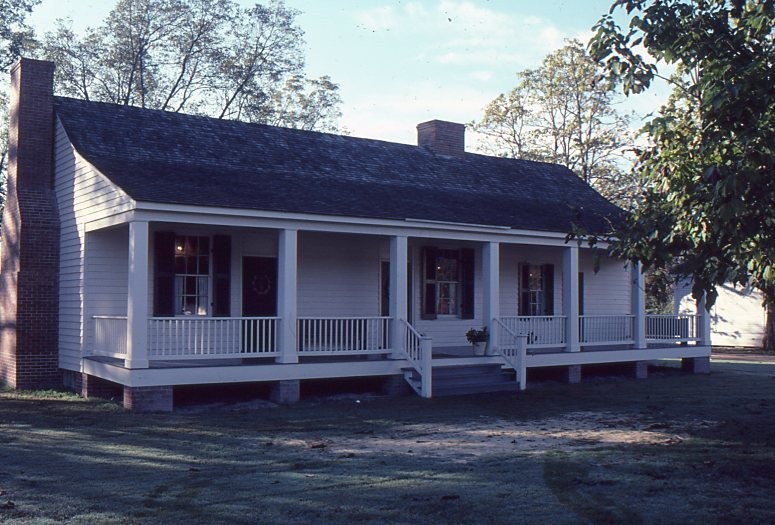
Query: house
x=145, y=250
x=737, y=318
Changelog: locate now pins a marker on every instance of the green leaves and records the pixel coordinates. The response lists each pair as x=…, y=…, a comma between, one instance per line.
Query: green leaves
x=710, y=173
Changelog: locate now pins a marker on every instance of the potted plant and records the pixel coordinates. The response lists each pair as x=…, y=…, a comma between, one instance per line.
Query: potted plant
x=478, y=338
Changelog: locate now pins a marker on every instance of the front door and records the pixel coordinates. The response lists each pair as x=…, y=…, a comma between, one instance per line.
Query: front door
x=259, y=299
x=259, y=286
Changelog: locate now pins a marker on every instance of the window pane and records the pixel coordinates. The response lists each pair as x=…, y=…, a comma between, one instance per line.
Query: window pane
x=178, y=294
x=447, y=298
x=535, y=277
x=189, y=305
x=446, y=269
x=192, y=270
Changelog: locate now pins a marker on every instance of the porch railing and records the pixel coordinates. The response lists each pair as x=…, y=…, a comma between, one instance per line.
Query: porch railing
x=197, y=337
x=109, y=336
x=419, y=353
x=513, y=350
x=541, y=331
x=606, y=329
x=211, y=337
x=344, y=335
x=672, y=328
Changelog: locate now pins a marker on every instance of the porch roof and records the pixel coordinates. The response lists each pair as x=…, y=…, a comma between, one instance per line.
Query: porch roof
x=173, y=158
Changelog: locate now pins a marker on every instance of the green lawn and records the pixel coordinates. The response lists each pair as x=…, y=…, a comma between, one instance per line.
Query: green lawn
x=671, y=449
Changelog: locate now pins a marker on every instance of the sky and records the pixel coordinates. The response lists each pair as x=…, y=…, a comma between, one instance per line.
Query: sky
x=399, y=63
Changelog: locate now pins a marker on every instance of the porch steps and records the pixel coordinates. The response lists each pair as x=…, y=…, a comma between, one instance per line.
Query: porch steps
x=455, y=380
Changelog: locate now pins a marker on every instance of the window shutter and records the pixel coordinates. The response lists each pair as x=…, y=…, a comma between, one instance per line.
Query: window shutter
x=581, y=293
x=429, y=283
x=221, y=275
x=524, y=295
x=548, y=271
x=467, y=283
x=164, y=274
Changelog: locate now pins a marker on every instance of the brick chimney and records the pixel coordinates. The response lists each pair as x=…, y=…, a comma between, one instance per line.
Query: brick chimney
x=29, y=239
x=442, y=137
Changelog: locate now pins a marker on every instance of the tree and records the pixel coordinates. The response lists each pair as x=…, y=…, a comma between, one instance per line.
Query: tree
x=710, y=167
x=14, y=34
x=563, y=113
x=14, y=37
x=200, y=56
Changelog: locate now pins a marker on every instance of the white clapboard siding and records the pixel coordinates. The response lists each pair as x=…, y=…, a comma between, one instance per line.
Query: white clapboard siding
x=607, y=291
x=105, y=277
x=81, y=191
x=338, y=275
x=736, y=319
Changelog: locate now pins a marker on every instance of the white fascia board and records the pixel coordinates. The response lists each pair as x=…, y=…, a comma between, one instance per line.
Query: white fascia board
x=615, y=356
x=230, y=217
x=205, y=375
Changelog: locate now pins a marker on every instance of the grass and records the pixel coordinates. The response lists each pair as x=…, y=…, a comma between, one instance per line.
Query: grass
x=671, y=449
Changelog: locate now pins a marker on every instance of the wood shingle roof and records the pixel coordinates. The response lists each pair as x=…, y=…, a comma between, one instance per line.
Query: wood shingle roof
x=173, y=158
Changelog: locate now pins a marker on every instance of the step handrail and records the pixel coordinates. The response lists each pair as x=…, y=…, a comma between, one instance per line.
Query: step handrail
x=514, y=356
x=419, y=353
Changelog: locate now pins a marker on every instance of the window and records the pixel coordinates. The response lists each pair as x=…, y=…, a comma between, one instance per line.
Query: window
x=536, y=289
x=448, y=280
x=192, y=275
x=190, y=278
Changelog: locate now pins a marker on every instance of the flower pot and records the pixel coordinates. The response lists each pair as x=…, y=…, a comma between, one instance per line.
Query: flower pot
x=480, y=347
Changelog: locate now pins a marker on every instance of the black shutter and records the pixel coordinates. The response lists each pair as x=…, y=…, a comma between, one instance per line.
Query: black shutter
x=221, y=276
x=548, y=271
x=410, y=301
x=164, y=274
x=581, y=293
x=524, y=289
x=429, y=283
x=467, y=283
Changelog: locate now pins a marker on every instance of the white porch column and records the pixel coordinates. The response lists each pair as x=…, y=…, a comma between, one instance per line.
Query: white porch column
x=137, y=297
x=399, y=302
x=492, y=298
x=287, y=266
x=703, y=323
x=570, y=297
x=638, y=306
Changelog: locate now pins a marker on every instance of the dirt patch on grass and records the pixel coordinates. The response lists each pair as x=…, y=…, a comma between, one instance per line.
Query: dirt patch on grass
x=461, y=442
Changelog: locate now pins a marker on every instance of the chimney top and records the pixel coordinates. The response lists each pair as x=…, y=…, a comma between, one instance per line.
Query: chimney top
x=442, y=137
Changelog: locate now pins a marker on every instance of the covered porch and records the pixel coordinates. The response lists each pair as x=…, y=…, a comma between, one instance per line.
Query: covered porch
x=385, y=278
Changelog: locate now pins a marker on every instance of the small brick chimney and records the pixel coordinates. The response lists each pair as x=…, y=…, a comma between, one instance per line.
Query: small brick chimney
x=442, y=137
x=29, y=242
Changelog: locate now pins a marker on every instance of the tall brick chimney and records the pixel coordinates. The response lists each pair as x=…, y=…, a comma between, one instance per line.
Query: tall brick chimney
x=442, y=137
x=29, y=240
